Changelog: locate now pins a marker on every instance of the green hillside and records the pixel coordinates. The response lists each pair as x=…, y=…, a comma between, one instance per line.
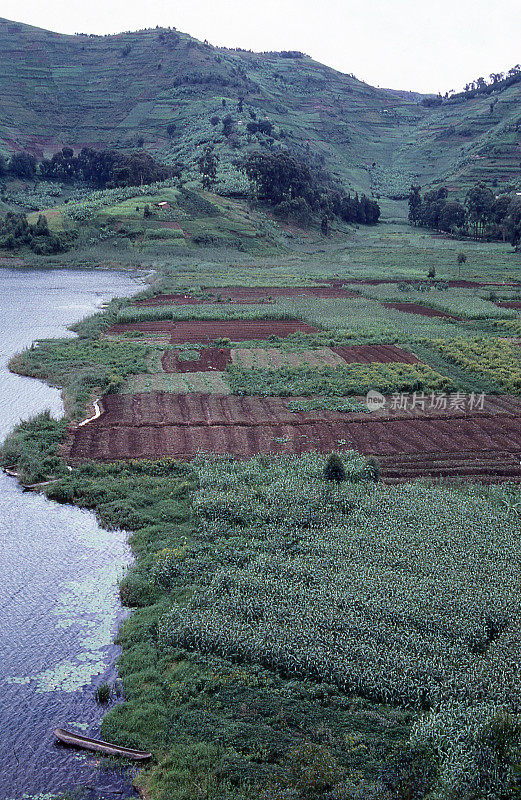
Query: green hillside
x=170, y=93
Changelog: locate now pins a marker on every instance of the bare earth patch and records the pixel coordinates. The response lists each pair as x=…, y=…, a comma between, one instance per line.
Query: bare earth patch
x=424, y=311
x=210, y=358
x=209, y=330
x=241, y=294
x=482, y=444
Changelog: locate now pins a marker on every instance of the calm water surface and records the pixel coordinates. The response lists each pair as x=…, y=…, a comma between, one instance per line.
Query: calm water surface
x=59, y=608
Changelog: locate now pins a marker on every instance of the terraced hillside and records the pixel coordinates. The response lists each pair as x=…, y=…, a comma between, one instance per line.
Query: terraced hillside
x=171, y=93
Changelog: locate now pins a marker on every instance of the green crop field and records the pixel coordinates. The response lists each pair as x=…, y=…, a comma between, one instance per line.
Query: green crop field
x=306, y=625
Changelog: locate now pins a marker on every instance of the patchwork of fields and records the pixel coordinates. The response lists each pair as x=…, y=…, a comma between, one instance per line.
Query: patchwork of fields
x=221, y=385
x=485, y=443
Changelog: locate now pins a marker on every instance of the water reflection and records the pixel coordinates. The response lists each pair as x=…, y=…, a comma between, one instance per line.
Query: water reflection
x=59, y=608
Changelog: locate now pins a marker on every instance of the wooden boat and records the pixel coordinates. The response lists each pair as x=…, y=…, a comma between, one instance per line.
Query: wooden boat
x=75, y=740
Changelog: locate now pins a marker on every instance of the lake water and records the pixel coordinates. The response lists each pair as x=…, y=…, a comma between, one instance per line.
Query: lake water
x=59, y=606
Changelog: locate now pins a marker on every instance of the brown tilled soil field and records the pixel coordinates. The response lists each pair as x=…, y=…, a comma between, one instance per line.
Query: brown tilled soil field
x=210, y=358
x=509, y=303
x=484, y=444
x=241, y=294
x=208, y=330
x=381, y=353
x=415, y=308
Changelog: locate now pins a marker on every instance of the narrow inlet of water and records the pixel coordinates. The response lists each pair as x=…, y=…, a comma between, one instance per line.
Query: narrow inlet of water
x=59, y=604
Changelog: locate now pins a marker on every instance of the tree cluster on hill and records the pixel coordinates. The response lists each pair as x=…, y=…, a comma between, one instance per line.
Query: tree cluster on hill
x=481, y=86
x=483, y=215
x=295, y=191
x=103, y=169
x=16, y=231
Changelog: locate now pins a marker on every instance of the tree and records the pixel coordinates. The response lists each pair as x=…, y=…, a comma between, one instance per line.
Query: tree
x=461, y=259
x=334, y=469
x=480, y=203
x=277, y=176
x=137, y=169
x=22, y=165
x=3, y=166
x=512, y=223
x=324, y=226
x=452, y=216
x=207, y=163
x=415, y=203
x=42, y=227
x=227, y=125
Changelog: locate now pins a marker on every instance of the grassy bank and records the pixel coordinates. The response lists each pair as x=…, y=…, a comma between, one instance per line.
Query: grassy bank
x=82, y=368
x=218, y=726
x=228, y=669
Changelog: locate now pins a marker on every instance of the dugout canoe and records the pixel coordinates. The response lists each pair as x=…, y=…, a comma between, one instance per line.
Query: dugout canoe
x=75, y=740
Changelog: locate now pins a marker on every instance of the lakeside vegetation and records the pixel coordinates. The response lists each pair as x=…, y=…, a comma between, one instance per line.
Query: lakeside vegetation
x=280, y=721
x=300, y=629
x=82, y=368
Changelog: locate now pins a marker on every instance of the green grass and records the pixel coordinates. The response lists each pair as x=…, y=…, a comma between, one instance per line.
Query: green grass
x=353, y=379
x=81, y=367
x=32, y=448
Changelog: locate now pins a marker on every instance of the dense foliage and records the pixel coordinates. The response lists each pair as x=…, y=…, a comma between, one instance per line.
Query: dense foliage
x=329, y=586
x=81, y=367
x=16, y=231
x=211, y=721
x=483, y=215
x=32, y=448
x=497, y=359
x=351, y=379
x=100, y=168
x=294, y=190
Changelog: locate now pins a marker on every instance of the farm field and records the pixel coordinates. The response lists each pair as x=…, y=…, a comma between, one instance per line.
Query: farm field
x=210, y=330
x=189, y=381
x=416, y=308
x=202, y=393
x=449, y=443
x=249, y=294
x=274, y=358
x=209, y=358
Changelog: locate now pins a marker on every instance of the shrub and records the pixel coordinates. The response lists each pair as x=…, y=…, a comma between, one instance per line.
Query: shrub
x=103, y=693
x=334, y=469
x=373, y=469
